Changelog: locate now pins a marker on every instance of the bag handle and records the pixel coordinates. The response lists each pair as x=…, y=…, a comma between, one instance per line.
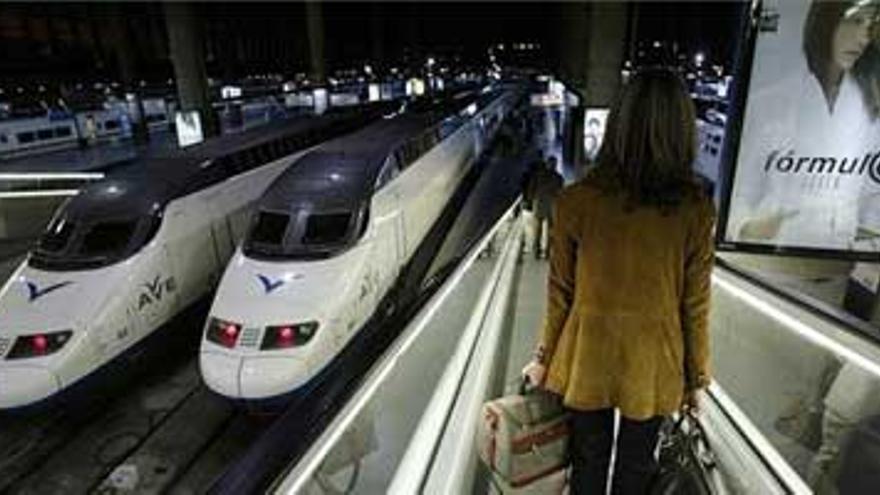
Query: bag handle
x=696, y=436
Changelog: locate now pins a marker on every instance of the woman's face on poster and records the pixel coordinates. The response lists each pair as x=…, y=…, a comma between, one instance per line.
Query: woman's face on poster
x=852, y=36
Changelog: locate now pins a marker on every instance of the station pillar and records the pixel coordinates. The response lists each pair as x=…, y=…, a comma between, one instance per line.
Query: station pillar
x=315, y=29
x=120, y=35
x=187, y=50
x=593, y=45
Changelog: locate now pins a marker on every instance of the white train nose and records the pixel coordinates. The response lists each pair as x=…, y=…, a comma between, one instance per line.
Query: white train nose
x=24, y=385
x=220, y=372
x=263, y=377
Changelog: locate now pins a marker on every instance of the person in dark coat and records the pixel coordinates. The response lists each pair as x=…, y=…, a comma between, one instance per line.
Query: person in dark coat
x=542, y=188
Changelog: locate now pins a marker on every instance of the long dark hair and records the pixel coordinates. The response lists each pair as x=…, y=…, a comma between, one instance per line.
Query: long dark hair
x=650, y=142
x=818, y=35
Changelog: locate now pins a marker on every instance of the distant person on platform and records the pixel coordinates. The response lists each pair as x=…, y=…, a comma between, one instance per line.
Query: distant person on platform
x=542, y=188
x=91, y=130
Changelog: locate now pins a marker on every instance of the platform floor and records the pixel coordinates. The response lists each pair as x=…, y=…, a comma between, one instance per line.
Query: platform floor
x=99, y=156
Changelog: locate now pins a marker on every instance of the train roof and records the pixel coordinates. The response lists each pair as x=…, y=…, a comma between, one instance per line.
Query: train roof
x=340, y=174
x=143, y=185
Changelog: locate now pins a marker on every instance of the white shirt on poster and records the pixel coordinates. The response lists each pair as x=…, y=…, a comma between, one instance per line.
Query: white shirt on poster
x=792, y=118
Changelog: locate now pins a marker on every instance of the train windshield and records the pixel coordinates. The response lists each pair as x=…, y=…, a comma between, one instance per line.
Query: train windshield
x=324, y=229
x=304, y=234
x=72, y=245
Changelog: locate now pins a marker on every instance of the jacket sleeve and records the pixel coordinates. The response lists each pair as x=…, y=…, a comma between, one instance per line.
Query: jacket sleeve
x=699, y=260
x=560, y=282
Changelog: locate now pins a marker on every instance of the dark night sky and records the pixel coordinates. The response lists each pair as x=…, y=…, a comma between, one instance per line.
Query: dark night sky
x=707, y=26
x=274, y=34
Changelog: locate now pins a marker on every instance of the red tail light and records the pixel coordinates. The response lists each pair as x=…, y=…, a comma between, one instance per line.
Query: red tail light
x=37, y=345
x=284, y=336
x=40, y=344
x=223, y=332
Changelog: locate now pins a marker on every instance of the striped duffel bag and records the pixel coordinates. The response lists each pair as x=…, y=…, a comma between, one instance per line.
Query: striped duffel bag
x=523, y=440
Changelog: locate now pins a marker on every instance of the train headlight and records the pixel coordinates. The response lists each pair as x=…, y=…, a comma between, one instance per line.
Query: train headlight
x=284, y=336
x=39, y=344
x=223, y=332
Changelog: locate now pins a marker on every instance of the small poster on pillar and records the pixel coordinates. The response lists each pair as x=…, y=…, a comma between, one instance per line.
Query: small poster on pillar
x=807, y=172
x=189, y=128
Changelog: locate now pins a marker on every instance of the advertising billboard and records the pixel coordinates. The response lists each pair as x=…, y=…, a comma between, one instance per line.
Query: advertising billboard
x=807, y=170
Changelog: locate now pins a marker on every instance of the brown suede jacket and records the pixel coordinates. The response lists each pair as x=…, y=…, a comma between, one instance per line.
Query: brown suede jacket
x=628, y=302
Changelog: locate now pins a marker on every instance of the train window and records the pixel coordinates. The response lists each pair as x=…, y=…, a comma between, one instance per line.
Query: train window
x=251, y=159
x=416, y=149
x=4, y=139
x=45, y=134
x=326, y=228
x=111, y=124
x=57, y=236
x=270, y=228
x=265, y=153
x=238, y=162
x=25, y=137
x=62, y=132
x=388, y=173
x=428, y=141
x=107, y=238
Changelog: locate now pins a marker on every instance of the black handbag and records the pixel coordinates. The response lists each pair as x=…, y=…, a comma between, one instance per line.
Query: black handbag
x=685, y=459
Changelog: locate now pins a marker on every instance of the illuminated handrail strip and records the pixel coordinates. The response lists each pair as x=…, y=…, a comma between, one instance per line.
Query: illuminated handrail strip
x=52, y=193
x=861, y=352
x=297, y=478
x=39, y=176
x=420, y=457
x=775, y=461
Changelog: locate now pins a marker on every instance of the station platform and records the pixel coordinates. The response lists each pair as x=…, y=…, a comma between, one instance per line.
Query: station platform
x=99, y=156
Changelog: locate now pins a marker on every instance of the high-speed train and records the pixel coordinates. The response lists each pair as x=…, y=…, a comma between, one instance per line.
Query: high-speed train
x=328, y=240
x=127, y=254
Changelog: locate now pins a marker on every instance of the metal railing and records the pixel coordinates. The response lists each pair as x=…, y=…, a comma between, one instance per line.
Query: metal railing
x=357, y=409
x=44, y=185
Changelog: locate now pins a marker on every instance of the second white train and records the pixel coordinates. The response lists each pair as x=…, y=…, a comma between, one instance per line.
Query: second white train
x=329, y=239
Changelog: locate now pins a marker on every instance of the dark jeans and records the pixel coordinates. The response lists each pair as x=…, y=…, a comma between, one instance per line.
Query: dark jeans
x=592, y=436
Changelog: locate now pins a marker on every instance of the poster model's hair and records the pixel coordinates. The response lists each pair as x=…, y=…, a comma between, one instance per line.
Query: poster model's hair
x=823, y=20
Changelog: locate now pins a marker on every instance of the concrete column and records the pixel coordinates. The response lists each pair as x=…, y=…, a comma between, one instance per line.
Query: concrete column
x=315, y=29
x=592, y=44
x=605, y=51
x=187, y=49
x=123, y=51
x=574, y=43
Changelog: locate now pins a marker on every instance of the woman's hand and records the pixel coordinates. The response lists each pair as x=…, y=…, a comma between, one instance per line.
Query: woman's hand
x=766, y=228
x=690, y=403
x=535, y=373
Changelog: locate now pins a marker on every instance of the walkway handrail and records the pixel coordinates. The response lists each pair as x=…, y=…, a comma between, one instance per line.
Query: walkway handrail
x=24, y=185
x=296, y=480
x=460, y=392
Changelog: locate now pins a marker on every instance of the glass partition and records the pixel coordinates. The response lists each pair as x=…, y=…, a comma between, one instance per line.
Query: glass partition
x=368, y=439
x=809, y=384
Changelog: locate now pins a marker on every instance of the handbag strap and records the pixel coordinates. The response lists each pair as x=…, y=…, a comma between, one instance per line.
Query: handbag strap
x=697, y=438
